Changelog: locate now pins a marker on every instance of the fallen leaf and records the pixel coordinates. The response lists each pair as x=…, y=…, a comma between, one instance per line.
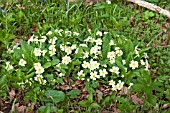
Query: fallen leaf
x=136, y=100
x=11, y=94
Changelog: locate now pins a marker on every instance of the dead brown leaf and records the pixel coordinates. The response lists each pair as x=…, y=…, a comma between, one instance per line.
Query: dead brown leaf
x=136, y=100
x=11, y=94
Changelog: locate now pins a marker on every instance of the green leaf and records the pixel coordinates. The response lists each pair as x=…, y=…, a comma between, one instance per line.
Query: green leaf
x=47, y=109
x=2, y=80
x=106, y=46
x=73, y=93
x=54, y=95
x=46, y=65
x=80, y=53
x=115, y=22
x=49, y=77
x=129, y=47
x=128, y=59
x=121, y=66
x=95, y=105
x=90, y=97
x=30, y=75
x=19, y=73
x=55, y=61
x=84, y=103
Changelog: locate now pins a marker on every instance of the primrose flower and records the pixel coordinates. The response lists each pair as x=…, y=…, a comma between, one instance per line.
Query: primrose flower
x=120, y=85
x=111, y=82
x=142, y=62
x=133, y=64
x=38, y=78
x=37, y=65
x=108, y=1
x=119, y=52
x=86, y=55
x=94, y=75
x=49, y=33
x=115, y=87
x=53, y=40
x=31, y=39
x=76, y=34
x=73, y=46
x=44, y=38
x=117, y=48
x=52, y=52
x=22, y=62
x=131, y=84
x=111, y=54
x=124, y=62
x=93, y=65
x=62, y=47
x=85, y=64
x=43, y=52
x=68, y=33
x=115, y=70
x=66, y=59
x=37, y=52
x=99, y=33
x=52, y=47
x=36, y=39
x=112, y=60
x=145, y=55
x=103, y=72
x=61, y=75
x=88, y=39
x=93, y=50
x=44, y=82
x=83, y=45
x=146, y=65
x=105, y=32
x=81, y=73
x=99, y=41
x=9, y=66
x=111, y=43
x=39, y=70
x=68, y=50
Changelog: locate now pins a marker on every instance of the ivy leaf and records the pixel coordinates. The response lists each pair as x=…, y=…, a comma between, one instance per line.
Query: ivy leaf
x=73, y=93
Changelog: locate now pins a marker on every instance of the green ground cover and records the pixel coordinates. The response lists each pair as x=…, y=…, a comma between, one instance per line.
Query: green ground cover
x=81, y=58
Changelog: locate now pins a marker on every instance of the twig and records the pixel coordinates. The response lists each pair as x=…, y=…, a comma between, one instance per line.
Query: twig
x=151, y=7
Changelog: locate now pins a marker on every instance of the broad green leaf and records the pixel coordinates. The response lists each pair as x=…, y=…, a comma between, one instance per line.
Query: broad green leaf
x=46, y=65
x=55, y=61
x=49, y=77
x=19, y=73
x=30, y=75
x=129, y=47
x=47, y=109
x=54, y=95
x=84, y=103
x=73, y=93
x=106, y=46
x=90, y=97
x=121, y=66
x=2, y=80
x=95, y=105
x=80, y=53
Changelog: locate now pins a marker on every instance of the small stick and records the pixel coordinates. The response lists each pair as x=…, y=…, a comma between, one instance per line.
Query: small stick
x=151, y=7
